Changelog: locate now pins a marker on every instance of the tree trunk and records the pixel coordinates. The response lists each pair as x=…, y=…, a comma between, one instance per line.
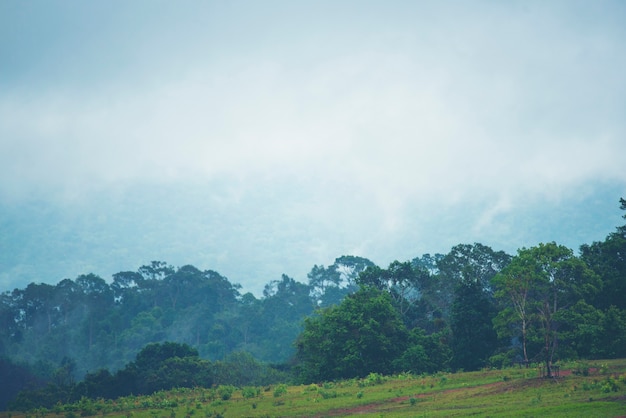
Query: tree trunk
x=524, y=331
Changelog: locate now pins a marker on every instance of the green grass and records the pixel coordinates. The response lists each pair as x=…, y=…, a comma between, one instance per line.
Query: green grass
x=594, y=390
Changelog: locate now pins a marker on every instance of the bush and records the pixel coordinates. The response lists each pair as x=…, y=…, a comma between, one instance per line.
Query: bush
x=225, y=391
x=372, y=379
x=328, y=394
x=581, y=369
x=610, y=385
x=250, y=392
x=280, y=390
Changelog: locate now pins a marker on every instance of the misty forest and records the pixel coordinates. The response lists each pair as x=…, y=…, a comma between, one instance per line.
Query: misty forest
x=162, y=327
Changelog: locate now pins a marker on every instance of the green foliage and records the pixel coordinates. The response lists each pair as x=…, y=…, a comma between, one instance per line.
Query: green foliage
x=226, y=391
x=280, y=390
x=240, y=369
x=537, y=288
x=363, y=334
x=610, y=385
x=373, y=379
x=250, y=392
x=471, y=324
x=434, y=313
x=482, y=393
x=328, y=394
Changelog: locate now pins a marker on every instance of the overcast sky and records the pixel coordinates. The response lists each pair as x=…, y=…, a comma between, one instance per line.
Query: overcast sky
x=294, y=132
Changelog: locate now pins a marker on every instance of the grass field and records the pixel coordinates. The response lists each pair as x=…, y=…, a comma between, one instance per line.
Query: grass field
x=596, y=389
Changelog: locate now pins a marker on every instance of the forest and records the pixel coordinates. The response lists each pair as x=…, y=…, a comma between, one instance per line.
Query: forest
x=162, y=327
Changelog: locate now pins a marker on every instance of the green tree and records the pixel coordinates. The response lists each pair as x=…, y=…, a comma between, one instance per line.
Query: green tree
x=582, y=330
x=161, y=366
x=467, y=263
x=285, y=304
x=97, y=299
x=15, y=377
x=425, y=353
x=402, y=282
x=363, y=334
x=515, y=288
x=330, y=285
x=608, y=260
x=473, y=337
x=543, y=281
x=614, y=337
x=349, y=267
x=322, y=282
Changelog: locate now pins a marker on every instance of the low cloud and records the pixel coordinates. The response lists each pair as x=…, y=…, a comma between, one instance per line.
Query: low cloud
x=373, y=123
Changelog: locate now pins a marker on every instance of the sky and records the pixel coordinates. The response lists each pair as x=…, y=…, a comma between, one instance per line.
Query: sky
x=261, y=138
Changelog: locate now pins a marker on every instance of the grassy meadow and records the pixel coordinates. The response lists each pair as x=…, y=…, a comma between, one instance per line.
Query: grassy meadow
x=583, y=389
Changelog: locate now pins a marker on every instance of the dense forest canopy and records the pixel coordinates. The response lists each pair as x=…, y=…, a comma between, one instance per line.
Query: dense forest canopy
x=467, y=309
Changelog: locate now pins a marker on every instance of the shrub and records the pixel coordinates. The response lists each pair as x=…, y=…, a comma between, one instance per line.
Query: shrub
x=250, y=392
x=610, y=385
x=225, y=391
x=280, y=390
x=581, y=368
x=328, y=394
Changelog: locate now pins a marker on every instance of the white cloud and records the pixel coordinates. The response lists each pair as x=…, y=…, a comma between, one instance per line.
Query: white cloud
x=367, y=121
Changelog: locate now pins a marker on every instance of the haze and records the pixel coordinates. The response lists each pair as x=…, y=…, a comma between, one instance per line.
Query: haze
x=261, y=138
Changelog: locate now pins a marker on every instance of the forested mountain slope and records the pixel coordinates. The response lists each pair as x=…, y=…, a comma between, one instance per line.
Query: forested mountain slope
x=463, y=310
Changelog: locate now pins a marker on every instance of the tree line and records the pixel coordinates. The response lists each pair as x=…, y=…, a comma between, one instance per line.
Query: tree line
x=157, y=367
x=92, y=324
x=470, y=308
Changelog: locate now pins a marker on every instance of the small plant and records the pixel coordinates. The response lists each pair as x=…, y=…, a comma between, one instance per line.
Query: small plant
x=250, y=392
x=328, y=394
x=412, y=400
x=610, y=385
x=225, y=391
x=311, y=388
x=374, y=379
x=359, y=394
x=604, y=368
x=581, y=369
x=280, y=390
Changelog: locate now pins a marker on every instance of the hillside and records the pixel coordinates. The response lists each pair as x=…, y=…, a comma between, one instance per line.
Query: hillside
x=581, y=389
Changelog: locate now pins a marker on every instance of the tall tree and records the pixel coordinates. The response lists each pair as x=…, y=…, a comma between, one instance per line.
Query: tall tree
x=330, y=285
x=545, y=280
x=324, y=283
x=349, y=267
x=404, y=283
x=97, y=298
x=475, y=263
x=285, y=304
x=363, y=334
x=513, y=288
x=608, y=259
x=473, y=337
